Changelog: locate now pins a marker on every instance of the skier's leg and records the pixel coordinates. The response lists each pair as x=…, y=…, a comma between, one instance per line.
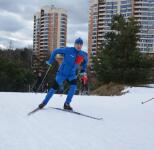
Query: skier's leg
x=49, y=94
x=70, y=94
x=57, y=82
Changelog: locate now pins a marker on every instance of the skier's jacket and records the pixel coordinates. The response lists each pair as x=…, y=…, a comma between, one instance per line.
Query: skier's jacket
x=72, y=59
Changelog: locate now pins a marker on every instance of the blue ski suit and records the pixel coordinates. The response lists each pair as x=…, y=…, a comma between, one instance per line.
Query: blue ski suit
x=67, y=70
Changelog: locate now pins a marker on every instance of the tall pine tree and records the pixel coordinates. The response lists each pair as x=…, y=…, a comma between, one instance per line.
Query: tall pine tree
x=119, y=59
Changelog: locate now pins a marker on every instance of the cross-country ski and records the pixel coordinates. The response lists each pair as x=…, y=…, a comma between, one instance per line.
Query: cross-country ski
x=33, y=111
x=75, y=112
x=69, y=111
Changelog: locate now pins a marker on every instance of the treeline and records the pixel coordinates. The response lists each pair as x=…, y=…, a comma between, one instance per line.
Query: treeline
x=16, y=70
x=119, y=60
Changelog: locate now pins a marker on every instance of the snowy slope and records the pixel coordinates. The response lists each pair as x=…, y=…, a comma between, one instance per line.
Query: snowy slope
x=127, y=124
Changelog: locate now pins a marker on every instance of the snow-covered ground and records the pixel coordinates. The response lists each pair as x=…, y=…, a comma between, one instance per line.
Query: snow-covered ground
x=126, y=124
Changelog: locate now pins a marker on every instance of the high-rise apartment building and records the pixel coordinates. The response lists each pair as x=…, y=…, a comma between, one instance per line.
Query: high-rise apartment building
x=50, y=31
x=100, y=24
x=92, y=34
x=142, y=10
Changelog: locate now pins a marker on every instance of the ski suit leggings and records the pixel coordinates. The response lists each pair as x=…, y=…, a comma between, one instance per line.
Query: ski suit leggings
x=59, y=81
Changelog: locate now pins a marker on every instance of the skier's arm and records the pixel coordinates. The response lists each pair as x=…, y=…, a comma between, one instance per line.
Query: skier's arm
x=84, y=64
x=54, y=53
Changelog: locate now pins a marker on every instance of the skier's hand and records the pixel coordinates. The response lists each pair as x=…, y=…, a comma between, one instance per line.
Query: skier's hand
x=83, y=76
x=47, y=62
x=83, y=73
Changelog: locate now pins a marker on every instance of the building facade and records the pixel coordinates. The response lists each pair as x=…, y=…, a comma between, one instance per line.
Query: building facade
x=93, y=24
x=50, y=31
x=142, y=10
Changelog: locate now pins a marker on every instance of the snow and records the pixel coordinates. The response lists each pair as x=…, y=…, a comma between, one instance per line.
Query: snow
x=126, y=124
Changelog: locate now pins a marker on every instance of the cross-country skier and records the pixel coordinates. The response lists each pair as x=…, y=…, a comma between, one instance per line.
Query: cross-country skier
x=84, y=84
x=73, y=57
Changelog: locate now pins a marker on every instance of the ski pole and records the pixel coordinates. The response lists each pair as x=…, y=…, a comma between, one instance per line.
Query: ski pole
x=43, y=79
x=64, y=92
x=67, y=88
x=147, y=100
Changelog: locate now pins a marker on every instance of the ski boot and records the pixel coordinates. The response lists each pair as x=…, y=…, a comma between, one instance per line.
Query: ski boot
x=68, y=107
x=41, y=105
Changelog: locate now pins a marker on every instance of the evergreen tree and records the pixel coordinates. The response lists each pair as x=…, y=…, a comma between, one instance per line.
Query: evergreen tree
x=119, y=59
x=15, y=72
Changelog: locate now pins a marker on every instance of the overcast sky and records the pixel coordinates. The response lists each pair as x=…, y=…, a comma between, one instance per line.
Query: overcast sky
x=16, y=20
